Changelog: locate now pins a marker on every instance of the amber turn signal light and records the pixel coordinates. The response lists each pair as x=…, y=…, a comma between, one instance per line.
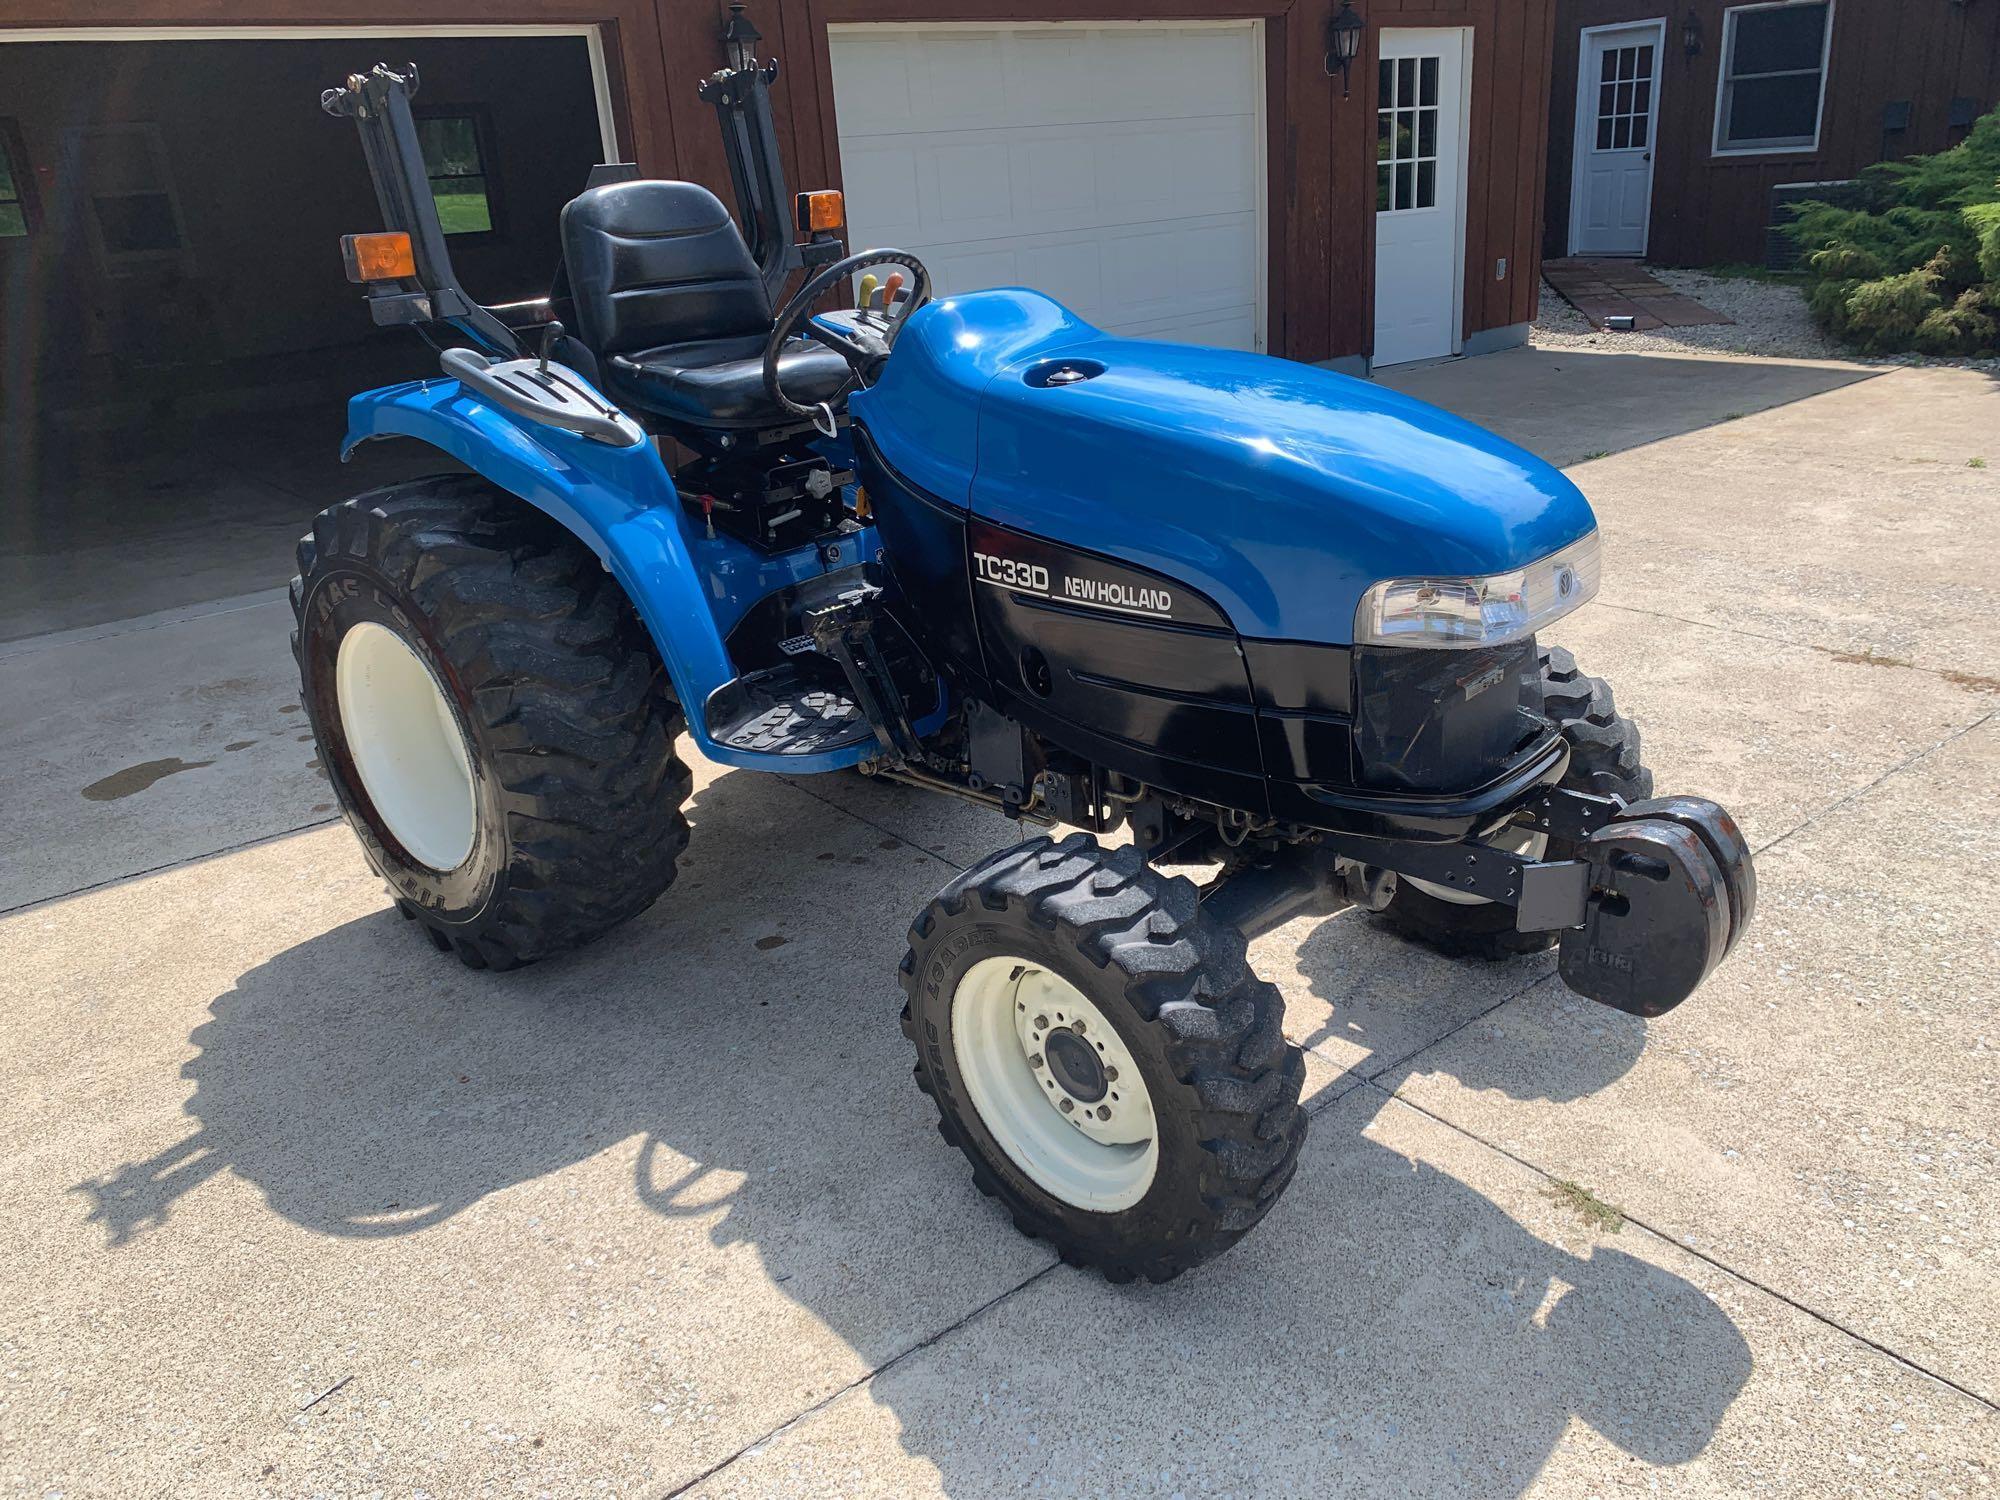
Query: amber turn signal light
x=378, y=257
x=818, y=211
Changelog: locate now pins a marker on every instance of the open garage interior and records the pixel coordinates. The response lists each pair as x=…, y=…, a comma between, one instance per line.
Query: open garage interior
x=179, y=337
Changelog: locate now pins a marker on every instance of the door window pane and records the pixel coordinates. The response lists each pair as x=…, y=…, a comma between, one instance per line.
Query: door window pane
x=1406, y=134
x=1624, y=107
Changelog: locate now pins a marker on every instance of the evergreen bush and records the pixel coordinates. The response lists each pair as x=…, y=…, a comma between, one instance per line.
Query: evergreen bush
x=1917, y=265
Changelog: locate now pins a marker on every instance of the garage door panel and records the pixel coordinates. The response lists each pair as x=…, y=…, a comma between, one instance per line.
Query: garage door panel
x=1058, y=180
x=1070, y=272
x=1188, y=169
x=877, y=88
x=1119, y=169
x=886, y=180
x=969, y=189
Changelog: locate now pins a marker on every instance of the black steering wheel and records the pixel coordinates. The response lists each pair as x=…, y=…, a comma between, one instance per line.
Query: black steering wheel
x=864, y=342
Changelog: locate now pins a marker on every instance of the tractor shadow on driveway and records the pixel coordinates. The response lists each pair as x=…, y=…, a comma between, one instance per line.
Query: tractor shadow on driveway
x=1390, y=1328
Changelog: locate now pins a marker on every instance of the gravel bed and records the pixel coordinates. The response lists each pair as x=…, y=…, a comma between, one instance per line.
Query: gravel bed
x=1771, y=320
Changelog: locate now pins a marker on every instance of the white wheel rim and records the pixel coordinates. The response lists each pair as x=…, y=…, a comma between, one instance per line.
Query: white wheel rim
x=1009, y=1018
x=1527, y=842
x=406, y=746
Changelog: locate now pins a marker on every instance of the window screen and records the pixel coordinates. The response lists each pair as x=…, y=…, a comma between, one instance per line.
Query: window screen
x=1773, y=70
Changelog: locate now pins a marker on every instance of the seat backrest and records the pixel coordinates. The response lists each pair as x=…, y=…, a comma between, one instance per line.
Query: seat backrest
x=654, y=263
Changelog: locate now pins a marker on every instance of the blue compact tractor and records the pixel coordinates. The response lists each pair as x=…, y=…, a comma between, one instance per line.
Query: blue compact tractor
x=1268, y=623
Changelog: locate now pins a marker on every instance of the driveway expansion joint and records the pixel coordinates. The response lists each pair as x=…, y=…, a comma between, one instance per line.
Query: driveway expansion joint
x=1640, y=1222
x=858, y=1382
x=172, y=864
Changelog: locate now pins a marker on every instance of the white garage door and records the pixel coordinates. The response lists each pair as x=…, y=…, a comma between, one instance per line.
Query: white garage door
x=1120, y=169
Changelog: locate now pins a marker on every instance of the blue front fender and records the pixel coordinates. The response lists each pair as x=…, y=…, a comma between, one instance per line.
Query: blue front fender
x=621, y=503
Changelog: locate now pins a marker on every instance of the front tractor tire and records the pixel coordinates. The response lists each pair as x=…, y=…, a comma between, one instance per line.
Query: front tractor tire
x=1603, y=759
x=496, y=725
x=1100, y=1050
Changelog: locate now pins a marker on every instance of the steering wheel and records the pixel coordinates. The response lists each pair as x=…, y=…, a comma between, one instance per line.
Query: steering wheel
x=864, y=346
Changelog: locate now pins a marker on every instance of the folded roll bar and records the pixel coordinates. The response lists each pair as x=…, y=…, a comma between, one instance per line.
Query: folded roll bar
x=379, y=104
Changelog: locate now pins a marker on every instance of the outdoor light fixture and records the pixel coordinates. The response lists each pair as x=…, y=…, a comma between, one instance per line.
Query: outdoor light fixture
x=1343, y=42
x=1691, y=35
x=740, y=37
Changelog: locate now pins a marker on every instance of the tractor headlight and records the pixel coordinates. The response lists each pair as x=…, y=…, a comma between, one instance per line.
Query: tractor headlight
x=1441, y=613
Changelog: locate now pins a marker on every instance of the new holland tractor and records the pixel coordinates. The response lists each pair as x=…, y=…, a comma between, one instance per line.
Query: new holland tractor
x=1269, y=623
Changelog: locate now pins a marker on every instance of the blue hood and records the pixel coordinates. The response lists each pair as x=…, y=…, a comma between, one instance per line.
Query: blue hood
x=1279, y=490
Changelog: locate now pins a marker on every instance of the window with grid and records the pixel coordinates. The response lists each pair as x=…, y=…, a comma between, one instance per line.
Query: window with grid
x=1773, y=73
x=455, y=162
x=15, y=205
x=1625, y=98
x=1406, y=134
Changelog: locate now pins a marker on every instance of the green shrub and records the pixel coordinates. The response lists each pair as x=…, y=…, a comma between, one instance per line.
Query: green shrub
x=1966, y=327
x=1884, y=315
x=1847, y=262
x=1985, y=221
x=1917, y=265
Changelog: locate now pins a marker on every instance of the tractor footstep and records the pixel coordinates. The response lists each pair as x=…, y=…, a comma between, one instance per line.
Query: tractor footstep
x=782, y=712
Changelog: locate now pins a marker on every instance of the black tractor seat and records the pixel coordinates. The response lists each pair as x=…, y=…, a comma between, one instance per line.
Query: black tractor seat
x=720, y=384
x=669, y=300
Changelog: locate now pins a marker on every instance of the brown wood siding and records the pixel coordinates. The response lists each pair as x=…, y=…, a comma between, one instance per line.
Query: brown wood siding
x=1320, y=149
x=1711, y=210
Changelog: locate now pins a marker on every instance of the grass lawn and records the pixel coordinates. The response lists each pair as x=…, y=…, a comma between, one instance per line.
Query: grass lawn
x=464, y=213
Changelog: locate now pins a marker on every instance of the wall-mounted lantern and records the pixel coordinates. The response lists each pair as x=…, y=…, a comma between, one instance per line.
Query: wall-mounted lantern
x=1343, y=42
x=740, y=37
x=1691, y=35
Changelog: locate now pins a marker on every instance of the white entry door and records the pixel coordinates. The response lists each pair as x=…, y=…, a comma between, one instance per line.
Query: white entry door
x=1118, y=168
x=1420, y=192
x=1617, y=109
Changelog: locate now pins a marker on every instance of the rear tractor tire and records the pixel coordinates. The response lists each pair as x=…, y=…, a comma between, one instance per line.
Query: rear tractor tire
x=1603, y=759
x=496, y=725
x=1103, y=1055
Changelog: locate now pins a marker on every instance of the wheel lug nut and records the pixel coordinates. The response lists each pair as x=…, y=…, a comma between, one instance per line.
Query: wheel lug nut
x=1103, y=1111
x=1035, y=1061
x=1077, y=1026
x=1067, y=1105
x=1110, y=1075
x=1041, y=1023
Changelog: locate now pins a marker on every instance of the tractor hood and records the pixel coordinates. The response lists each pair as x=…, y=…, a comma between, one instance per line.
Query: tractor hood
x=1279, y=490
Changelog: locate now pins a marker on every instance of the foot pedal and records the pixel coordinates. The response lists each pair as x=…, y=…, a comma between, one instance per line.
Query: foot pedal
x=783, y=711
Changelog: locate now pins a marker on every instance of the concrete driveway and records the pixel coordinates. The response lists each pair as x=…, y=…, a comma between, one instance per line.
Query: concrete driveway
x=291, y=1206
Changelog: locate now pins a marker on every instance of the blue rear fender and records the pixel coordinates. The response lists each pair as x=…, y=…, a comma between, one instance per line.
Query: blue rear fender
x=688, y=588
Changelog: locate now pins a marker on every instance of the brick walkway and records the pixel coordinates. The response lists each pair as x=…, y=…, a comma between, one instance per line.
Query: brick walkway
x=1601, y=289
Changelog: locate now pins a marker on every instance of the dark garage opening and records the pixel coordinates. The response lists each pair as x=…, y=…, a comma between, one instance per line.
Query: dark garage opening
x=177, y=339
